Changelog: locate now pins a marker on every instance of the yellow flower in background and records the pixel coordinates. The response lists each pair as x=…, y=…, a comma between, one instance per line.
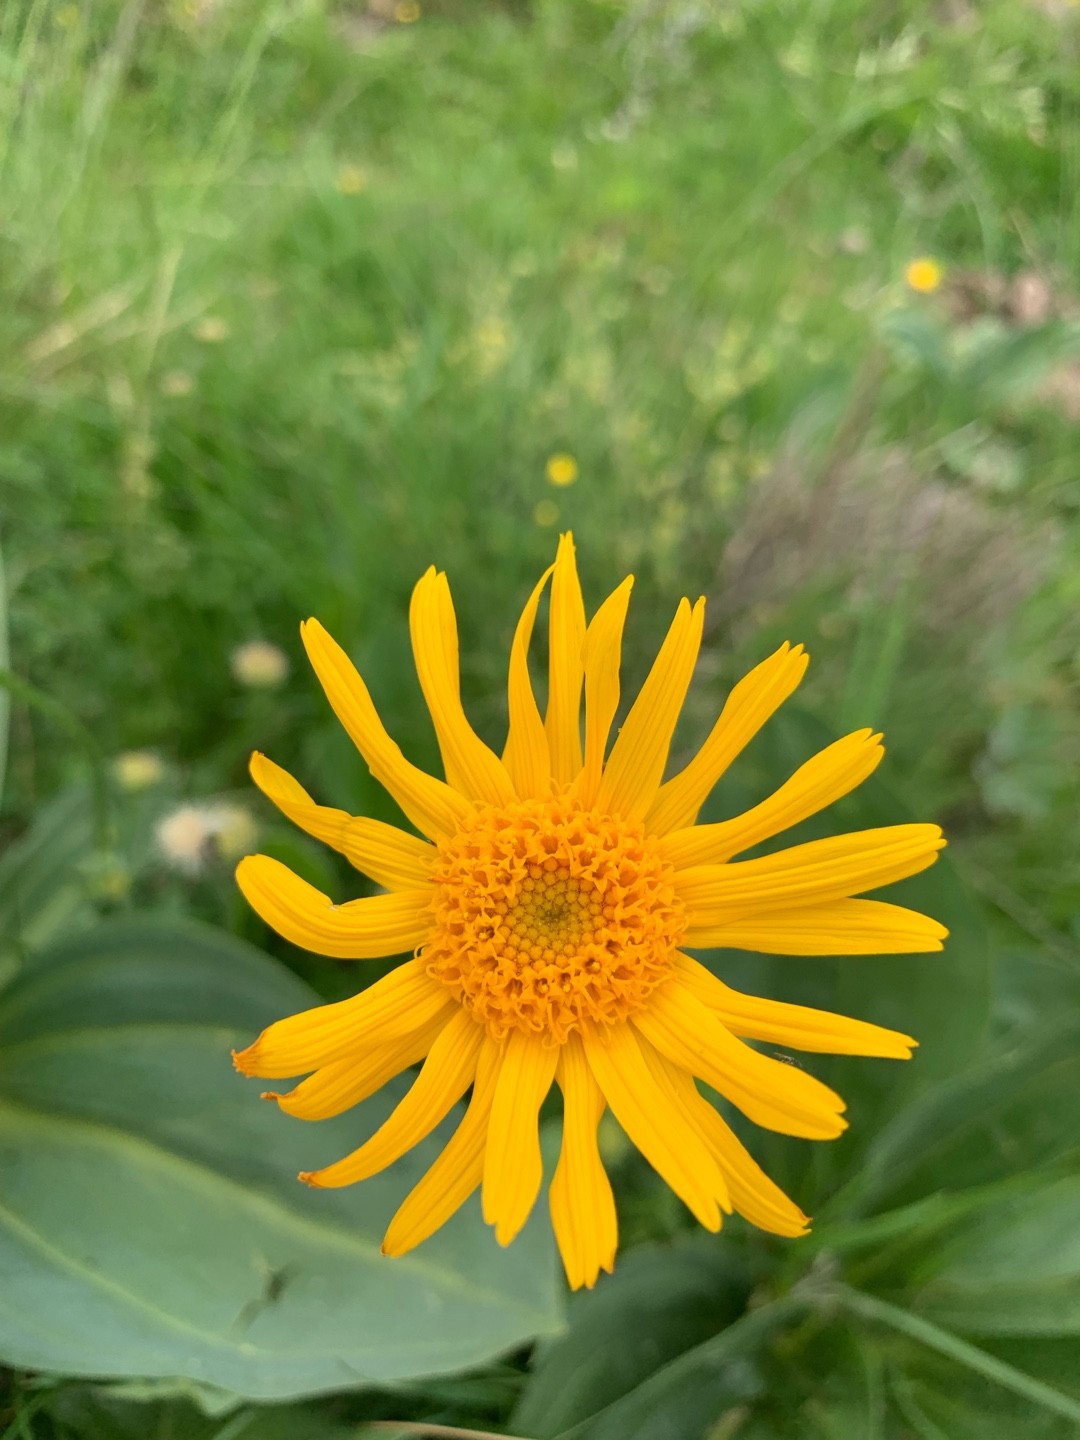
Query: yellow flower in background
x=545, y=513
x=176, y=383
x=213, y=330
x=561, y=470
x=406, y=12
x=546, y=910
x=235, y=830
x=259, y=665
x=924, y=275
x=138, y=769
x=351, y=180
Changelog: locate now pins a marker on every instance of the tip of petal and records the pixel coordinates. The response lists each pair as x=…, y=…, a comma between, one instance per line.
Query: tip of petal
x=271, y=1095
x=245, y=1060
x=311, y=1177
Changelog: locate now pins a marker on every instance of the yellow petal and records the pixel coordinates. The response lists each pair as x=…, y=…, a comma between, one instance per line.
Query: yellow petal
x=566, y=666
x=779, y=1097
x=513, y=1168
x=811, y=874
x=832, y=773
x=603, y=654
x=660, y=1068
x=526, y=756
x=390, y=856
x=748, y=706
x=338, y=1087
x=398, y=1004
x=840, y=927
x=444, y=1077
x=471, y=767
x=796, y=1027
x=756, y=1197
x=636, y=765
x=358, y=930
x=432, y=806
x=657, y=1129
x=458, y=1170
x=582, y=1205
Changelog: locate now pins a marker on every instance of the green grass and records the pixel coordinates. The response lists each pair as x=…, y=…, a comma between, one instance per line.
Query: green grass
x=669, y=239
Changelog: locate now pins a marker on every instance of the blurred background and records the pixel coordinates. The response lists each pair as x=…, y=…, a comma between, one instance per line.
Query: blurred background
x=773, y=302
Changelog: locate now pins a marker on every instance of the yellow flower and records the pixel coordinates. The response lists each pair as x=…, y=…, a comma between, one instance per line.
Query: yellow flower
x=212, y=330
x=138, y=769
x=407, y=12
x=176, y=383
x=546, y=911
x=259, y=665
x=351, y=180
x=545, y=513
x=561, y=470
x=924, y=275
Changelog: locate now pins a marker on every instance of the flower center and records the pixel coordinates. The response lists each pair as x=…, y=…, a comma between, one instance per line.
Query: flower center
x=550, y=917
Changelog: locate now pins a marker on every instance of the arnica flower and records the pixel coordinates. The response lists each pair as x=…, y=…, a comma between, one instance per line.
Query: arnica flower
x=547, y=912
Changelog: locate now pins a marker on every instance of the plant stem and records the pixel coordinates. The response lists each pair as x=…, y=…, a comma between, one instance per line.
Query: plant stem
x=915, y=1328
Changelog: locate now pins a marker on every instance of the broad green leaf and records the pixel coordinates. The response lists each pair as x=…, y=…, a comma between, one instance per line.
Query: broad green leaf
x=137, y=1411
x=150, y=1220
x=660, y=1302
x=42, y=890
x=1014, y=1269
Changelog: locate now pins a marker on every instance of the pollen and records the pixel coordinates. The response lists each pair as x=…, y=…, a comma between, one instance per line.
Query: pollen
x=551, y=918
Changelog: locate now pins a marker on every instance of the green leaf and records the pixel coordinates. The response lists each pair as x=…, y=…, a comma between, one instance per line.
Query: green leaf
x=1014, y=1269
x=1003, y=1117
x=5, y=698
x=660, y=1302
x=42, y=890
x=687, y=1396
x=970, y=1358
x=151, y=1223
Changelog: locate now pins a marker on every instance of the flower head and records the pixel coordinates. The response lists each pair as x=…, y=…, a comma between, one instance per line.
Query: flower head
x=259, y=665
x=546, y=909
x=351, y=180
x=190, y=836
x=138, y=769
x=561, y=470
x=212, y=330
x=923, y=275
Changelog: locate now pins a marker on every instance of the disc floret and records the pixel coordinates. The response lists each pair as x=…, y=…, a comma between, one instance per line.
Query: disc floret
x=550, y=917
